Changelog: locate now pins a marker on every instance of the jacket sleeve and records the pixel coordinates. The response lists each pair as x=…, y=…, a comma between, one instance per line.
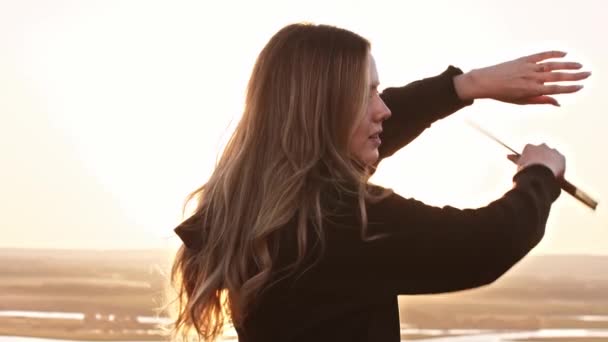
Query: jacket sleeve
x=428, y=249
x=416, y=106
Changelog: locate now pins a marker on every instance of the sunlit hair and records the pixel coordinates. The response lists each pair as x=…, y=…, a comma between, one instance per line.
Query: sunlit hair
x=307, y=93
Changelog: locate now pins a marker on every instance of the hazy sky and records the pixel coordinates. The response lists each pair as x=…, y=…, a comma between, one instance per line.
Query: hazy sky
x=112, y=111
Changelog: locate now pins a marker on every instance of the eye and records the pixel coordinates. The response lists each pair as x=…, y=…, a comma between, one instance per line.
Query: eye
x=373, y=92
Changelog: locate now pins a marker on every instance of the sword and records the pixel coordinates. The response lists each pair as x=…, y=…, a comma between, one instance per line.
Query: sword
x=564, y=184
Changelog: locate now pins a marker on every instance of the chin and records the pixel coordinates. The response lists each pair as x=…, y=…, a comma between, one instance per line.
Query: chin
x=371, y=158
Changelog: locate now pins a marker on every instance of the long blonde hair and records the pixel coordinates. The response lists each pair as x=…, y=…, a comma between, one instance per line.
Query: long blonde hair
x=307, y=93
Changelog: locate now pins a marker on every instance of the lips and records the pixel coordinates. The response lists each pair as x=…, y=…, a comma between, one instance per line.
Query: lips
x=376, y=135
x=375, y=139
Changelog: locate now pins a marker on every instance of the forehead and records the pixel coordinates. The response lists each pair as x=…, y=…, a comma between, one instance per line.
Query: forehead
x=373, y=71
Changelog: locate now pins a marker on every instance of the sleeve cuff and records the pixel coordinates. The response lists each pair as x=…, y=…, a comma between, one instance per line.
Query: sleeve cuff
x=539, y=175
x=445, y=85
x=450, y=73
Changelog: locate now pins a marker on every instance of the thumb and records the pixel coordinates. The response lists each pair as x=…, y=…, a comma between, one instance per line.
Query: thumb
x=513, y=157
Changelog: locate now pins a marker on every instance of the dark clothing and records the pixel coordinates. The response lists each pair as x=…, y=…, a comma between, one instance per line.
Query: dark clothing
x=351, y=293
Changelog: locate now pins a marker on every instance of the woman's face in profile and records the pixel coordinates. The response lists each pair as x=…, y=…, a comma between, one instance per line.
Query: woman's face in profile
x=365, y=140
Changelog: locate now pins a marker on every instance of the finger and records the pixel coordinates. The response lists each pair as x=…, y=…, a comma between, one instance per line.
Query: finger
x=537, y=57
x=550, y=66
x=563, y=76
x=540, y=100
x=513, y=157
x=559, y=89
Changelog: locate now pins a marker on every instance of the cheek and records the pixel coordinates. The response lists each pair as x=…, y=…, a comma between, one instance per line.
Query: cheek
x=355, y=144
x=359, y=138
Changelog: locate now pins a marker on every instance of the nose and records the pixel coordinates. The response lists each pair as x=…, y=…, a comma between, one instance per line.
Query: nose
x=382, y=111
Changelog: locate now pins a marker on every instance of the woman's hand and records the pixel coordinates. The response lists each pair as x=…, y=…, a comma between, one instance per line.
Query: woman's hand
x=540, y=154
x=521, y=81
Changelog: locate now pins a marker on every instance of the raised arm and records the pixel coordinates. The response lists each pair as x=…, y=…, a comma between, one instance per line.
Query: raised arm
x=416, y=106
x=450, y=249
x=433, y=250
x=520, y=81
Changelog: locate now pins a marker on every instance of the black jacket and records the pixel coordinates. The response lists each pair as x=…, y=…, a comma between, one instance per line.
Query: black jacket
x=351, y=293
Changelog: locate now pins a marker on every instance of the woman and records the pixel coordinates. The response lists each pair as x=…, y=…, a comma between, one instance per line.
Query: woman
x=291, y=242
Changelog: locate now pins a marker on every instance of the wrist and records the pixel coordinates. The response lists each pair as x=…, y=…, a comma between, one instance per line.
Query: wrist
x=467, y=86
